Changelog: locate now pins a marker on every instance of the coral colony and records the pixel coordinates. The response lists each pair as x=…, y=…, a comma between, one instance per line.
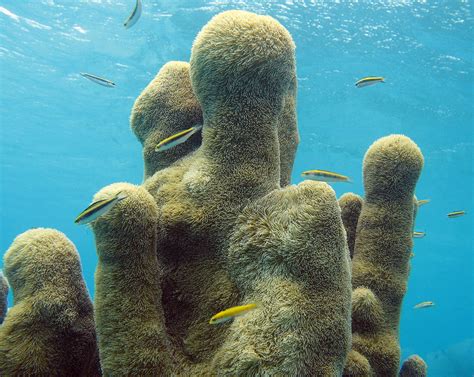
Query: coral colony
x=216, y=225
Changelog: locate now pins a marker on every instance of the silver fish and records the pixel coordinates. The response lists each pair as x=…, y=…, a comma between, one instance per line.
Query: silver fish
x=371, y=80
x=98, y=80
x=419, y=234
x=134, y=16
x=424, y=304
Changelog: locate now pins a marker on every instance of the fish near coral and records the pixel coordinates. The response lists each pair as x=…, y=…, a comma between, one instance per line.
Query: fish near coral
x=176, y=139
x=422, y=202
x=419, y=234
x=325, y=176
x=424, y=304
x=98, y=208
x=231, y=313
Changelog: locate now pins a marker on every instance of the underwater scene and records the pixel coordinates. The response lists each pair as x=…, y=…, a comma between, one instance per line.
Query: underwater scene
x=236, y=188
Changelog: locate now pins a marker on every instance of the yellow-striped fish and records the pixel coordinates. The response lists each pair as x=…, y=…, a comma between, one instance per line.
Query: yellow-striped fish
x=419, y=234
x=325, y=176
x=231, y=313
x=176, y=139
x=456, y=214
x=412, y=254
x=422, y=202
x=98, y=208
x=370, y=80
x=424, y=304
x=134, y=16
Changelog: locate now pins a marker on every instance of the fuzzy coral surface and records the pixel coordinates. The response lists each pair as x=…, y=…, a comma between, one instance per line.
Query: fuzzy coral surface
x=216, y=224
x=49, y=331
x=414, y=366
x=3, y=297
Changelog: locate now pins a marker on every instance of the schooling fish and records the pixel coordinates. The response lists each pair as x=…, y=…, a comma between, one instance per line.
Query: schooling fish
x=134, y=16
x=456, y=214
x=419, y=234
x=176, y=139
x=98, y=80
x=422, y=202
x=371, y=80
x=424, y=304
x=325, y=176
x=231, y=313
x=98, y=208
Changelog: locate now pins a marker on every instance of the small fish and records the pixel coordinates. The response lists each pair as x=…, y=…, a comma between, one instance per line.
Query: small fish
x=176, y=139
x=325, y=176
x=371, y=80
x=98, y=208
x=422, y=202
x=424, y=304
x=456, y=214
x=412, y=254
x=419, y=234
x=134, y=16
x=98, y=80
x=231, y=313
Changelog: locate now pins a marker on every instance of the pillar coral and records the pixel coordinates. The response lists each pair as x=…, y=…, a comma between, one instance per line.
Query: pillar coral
x=49, y=331
x=380, y=265
x=3, y=297
x=350, y=204
x=414, y=366
x=216, y=224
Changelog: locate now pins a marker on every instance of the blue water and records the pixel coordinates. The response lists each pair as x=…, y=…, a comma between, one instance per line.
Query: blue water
x=64, y=137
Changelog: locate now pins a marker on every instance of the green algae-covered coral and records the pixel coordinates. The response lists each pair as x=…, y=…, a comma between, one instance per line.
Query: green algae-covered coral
x=216, y=224
x=382, y=250
x=49, y=331
x=414, y=366
x=165, y=107
x=181, y=235
x=351, y=205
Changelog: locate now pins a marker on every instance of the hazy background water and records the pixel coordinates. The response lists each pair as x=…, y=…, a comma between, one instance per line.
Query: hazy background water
x=64, y=137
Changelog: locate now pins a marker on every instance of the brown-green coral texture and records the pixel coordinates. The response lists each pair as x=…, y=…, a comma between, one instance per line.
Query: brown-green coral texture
x=3, y=297
x=49, y=331
x=216, y=224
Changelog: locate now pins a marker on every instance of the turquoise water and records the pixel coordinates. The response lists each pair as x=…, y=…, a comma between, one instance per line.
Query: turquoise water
x=64, y=137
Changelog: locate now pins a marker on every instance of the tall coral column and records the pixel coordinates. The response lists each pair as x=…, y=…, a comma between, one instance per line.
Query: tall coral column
x=380, y=265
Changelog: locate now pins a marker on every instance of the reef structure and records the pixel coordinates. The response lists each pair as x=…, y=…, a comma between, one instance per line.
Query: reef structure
x=3, y=297
x=50, y=329
x=216, y=224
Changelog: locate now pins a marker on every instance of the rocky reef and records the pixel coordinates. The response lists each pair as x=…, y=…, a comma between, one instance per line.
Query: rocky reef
x=216, y=224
